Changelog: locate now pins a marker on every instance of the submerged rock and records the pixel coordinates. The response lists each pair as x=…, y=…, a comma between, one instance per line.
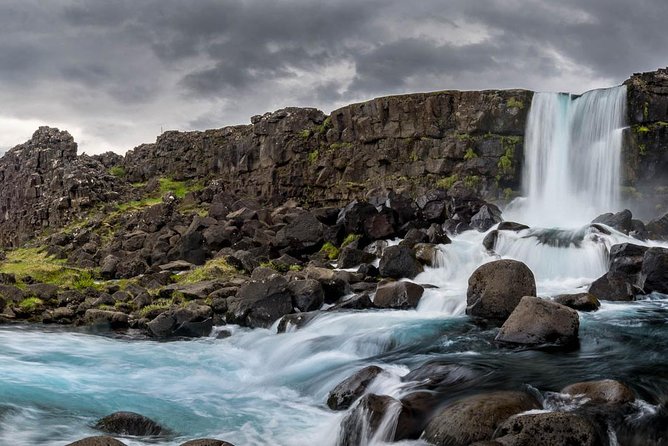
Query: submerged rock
x=615, y=286
x=347, y=391
x=130, y=423
x=579, y=301
x=100, y=440
x=537, y=321
x=606, y=391
x=206, y=442
x=476, y=418
x=400, y=295
x=496, y=288
x=374, y=416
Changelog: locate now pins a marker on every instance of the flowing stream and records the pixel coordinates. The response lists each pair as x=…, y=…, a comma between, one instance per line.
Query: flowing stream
x=258, y=387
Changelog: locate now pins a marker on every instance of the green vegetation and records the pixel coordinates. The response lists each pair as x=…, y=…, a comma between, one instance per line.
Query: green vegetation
x=472, y=181
x=645, y=111
x=470, y=154
x=213, y=269
x=514, y=103
x=642, y=149
x=331, y=251
x=178, y=188
x=447, y=182
x=349, y=239
x=413, y=157
x=463, y=137
x=641, y=129
x=117, y=171
x=157, y=305
x=305, y=134
x=313, y=156
x=340, y=145
x=326, y=125
x=508, y=193
x=30, y=304
x=32, y=262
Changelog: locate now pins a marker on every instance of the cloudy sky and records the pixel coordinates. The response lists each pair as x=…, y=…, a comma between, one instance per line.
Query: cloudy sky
x=117, y=73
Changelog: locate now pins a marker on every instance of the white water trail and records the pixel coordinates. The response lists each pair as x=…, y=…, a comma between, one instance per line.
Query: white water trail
x=572, y=158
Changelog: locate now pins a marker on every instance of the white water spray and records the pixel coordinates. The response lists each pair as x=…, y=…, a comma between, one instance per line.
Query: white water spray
x=572, y=158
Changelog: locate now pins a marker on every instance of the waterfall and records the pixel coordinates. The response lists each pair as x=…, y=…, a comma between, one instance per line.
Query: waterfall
x=572, y=158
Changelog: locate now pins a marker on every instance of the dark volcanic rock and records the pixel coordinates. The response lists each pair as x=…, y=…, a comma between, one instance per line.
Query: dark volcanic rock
x=496, y=288
x=363, y=421
x=347, y=391
x=351, y=257
x=606, y=391
x=537, y=321
x=549, y=429
x=206, y=442
x=620, y=221
x=579, y=301
x=111, y=319
x=398, y=295
x=304, y=233
x=626, y=258
x=129, y=423
x=614, y=286
x=307, y=295
x=101, y=440
x=476, y=418
x=259, y=304
x=486, y=217
x=654, y=272
x=399, y=261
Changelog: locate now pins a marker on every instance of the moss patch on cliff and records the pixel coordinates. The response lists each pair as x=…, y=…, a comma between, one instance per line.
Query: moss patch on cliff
x=217, y=268
x=447, y=182
x=514, y=103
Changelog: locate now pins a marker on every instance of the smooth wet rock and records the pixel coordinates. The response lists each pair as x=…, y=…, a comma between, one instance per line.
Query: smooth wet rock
x=549, y=429
x=654, y=272
x=489, y=242
x=398, y=262
x=351, y=257
x=129, y=423
x=496, y=288
x=111, y=319
x=476, y=418
x=579, y=301
x=511, y=226
x=626, y=258
x=614, y=286
x=100, y=440
x=349, y=390
x=537, y=321
x=607, y=391
x=620, y=221
x=307, y=295
x=401, y=295
x=439, y=376
x=259, y=304
x=206, y=442
x=296, y=321
x=486, y=217
x=361, y=423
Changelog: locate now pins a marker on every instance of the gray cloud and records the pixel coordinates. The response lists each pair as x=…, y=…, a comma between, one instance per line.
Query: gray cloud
x=116, y=73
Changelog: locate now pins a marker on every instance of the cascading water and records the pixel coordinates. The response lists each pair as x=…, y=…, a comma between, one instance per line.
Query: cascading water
x=572, y=158
x=258, y=387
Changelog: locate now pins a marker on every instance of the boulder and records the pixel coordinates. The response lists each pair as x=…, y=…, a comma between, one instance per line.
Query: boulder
x=295, y=321
x=615, y=286
x=486, y=217
x=398, y=262
x=304, y=233
x=620, y=221
x=495, y=289
x=425, y=253
x=354, y=215
x=362, y=423
x=130, y=423
x=654, y=272
x=606, y=391
x=350, y=257
x=335, y=284
x=476, y=418
x=438, y=376
x=579, y=301
x=626, y=258
x=489, y=242
x=307, y=295
x=437, y=235
x=191, y=321
x=100, y=440
x=658, y=228
x=400, y=295
x=349, y=390
x=259, y=304
x=380, y=225
x=549, y=429
x=537, y=321
x=111, y=319
x=511, y=226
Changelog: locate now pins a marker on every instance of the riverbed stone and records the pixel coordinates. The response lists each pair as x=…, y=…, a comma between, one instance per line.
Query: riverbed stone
x=614, y=286
x=654, y=272
x=475, y=418
x=579, y=301
x=111, y=319
x=401, y=295
x=537, y=321
x=130, y=423
x=350, y=389
x=259, y=304
x=495, y=289
x=608, y=391
x=363, y=421
x=399, y=261
x=549, y=429
x=206, y=442
x=100, y=440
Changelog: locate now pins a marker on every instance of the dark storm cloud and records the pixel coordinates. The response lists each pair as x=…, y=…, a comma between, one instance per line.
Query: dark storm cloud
x=119, y=72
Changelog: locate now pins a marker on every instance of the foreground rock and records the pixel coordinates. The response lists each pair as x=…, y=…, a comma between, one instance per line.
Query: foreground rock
x=130, y=423
x=654, y=272
x=607, y=391
x=400, y=295
x=206, y=442
x=579, y=301
x=350, y=389
x=537, y=321
x=476, y=418
x=399, y=261
x=260, y=303
x=549, y=429
x=102, y=440
x=496, y=288
x=614, y=286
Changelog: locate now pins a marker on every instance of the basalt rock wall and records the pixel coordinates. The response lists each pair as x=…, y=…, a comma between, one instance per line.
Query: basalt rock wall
x=405, y=143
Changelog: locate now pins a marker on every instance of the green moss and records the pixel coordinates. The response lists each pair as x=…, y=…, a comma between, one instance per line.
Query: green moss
x=349, y=239
x=340, y=145
x=295, y=268
x=413, y=157
x=159, y=304
x=470, y=154
x=331, y=251
x=463, y=137
x=213, y=269
x=326, y=125
x=305, y=134
x=641, y=129
x=30, y=304
x=645, y=111
x=313, y=156
x=508, y=193
x=472, y=181
x=514, y=103
x=117, y=171
x=447, y=182
x=642, y=149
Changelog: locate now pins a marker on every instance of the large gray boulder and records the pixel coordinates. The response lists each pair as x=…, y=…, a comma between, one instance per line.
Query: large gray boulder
x=260, y=303
x=400, y=295
x=654, y=272
x=100, y=440
x=399, y=261
x=549, y=429
x=350, y=389
x=606, y=391
x=129, y=423
x=537, y=321
x=476, y=418
x=614, y=286
x=496, y=288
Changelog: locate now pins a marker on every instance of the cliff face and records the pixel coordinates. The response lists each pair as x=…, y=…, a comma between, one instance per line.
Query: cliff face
x=44, y=184
x=646, y=152
x=407, y=143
